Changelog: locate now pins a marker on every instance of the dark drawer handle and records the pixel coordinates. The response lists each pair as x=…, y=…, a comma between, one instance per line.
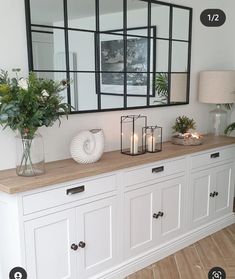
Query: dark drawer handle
x=215, y=155
x=76, y=190
x=158, y=169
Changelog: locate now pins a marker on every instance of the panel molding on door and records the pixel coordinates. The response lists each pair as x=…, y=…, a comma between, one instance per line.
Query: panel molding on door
x=139, y=232
x=48, y=246
x=97, y=229
x=200, y=188
x=171, y=196
x=223, y=178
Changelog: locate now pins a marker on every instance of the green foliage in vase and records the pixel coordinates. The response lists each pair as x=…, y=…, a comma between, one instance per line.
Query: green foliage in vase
x=27, y=104
x=228, y=106
x=230, y=129
x=161, y=86
x=183, y=124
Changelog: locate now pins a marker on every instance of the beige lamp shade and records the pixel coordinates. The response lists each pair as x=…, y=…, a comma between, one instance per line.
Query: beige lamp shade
x=217, y=87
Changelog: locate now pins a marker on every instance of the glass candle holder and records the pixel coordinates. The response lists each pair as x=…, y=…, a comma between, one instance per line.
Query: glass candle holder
x=153, y=135
x=132, y=136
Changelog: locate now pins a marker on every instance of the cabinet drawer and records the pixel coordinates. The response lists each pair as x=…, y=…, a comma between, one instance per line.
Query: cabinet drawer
x=73, y=192
x=212, y=157
x=158, y=170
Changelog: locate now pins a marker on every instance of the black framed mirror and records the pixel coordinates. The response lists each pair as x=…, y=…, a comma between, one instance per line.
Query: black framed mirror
x=118, y=54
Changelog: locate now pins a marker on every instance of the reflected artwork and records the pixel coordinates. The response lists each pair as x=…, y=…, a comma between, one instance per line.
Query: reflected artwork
x=112, y=61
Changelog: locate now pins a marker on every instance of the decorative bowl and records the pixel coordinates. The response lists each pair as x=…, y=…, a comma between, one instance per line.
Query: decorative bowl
x=187, y=140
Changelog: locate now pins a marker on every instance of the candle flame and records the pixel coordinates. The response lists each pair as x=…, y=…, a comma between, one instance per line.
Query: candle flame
x=194, y=135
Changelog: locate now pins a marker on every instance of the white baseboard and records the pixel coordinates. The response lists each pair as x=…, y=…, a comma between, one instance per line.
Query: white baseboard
x=160, y=252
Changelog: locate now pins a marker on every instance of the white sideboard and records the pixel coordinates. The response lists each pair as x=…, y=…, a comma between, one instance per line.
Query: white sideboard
x=110, y=225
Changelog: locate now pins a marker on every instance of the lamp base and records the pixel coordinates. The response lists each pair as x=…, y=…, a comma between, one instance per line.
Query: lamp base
x=218, y=121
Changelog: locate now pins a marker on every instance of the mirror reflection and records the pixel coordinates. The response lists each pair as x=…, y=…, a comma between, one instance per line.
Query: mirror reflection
x=178, y=88
x=110, y=15
x=81, y=14
x=84, y=97
x=179, y=57
x=48, y=49
x=117, y=56
x=160, y=17
x=180, y=29
x=81, y=47
x=137, y=16
x=46, y=12
x=161, y=84
x=162, y=55
x=112, y=102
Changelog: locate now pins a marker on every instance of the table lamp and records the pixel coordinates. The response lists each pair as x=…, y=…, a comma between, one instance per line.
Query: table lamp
x=217, y=87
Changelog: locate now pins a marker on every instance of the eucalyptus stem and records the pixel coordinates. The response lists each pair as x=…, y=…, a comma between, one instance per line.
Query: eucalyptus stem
x=26, y=163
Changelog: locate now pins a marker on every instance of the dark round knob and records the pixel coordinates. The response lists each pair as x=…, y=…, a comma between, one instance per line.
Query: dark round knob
x=74, y=246
x=155, y=216
x=82, y=244
x=161, y=214
x=216, y=194
x=212, y=195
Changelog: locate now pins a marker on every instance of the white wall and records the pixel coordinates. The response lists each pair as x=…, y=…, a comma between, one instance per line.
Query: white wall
x=213, y=48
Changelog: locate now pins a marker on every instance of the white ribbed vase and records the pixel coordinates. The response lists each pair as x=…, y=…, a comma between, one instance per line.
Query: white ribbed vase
x=88, y=146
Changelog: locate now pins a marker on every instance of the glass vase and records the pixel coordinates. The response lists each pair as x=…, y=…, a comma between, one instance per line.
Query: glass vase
x=217, y=121
x=30, y=155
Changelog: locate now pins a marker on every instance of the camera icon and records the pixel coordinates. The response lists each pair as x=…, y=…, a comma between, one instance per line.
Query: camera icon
x=217, y=273
x=18, y=273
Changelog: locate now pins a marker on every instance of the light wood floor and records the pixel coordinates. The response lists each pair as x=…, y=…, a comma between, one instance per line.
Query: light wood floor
x=195, y=261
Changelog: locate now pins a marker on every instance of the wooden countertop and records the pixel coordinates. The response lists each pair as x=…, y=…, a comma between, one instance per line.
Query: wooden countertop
x=67, y=170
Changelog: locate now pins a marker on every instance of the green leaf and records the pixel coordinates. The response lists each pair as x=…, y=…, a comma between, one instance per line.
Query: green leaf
x=230, y=129
x=183, y=124
x=161, y=85
x=3, y=118
x=29, y=109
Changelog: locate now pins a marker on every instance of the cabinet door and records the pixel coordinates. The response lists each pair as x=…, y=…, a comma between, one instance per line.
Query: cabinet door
x=170, y=203
x=138, y=226
x=48, y=243
x=97, y=228
x=223, y=189
x=200, y=201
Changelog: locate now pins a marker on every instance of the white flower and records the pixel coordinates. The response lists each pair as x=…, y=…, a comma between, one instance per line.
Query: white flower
x=45, y=93
x=23, y=83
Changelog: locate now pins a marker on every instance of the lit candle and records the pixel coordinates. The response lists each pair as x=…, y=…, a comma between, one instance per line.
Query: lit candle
x=186, y=135
x=151, y=141
x=134, y=144
x=195, y=135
